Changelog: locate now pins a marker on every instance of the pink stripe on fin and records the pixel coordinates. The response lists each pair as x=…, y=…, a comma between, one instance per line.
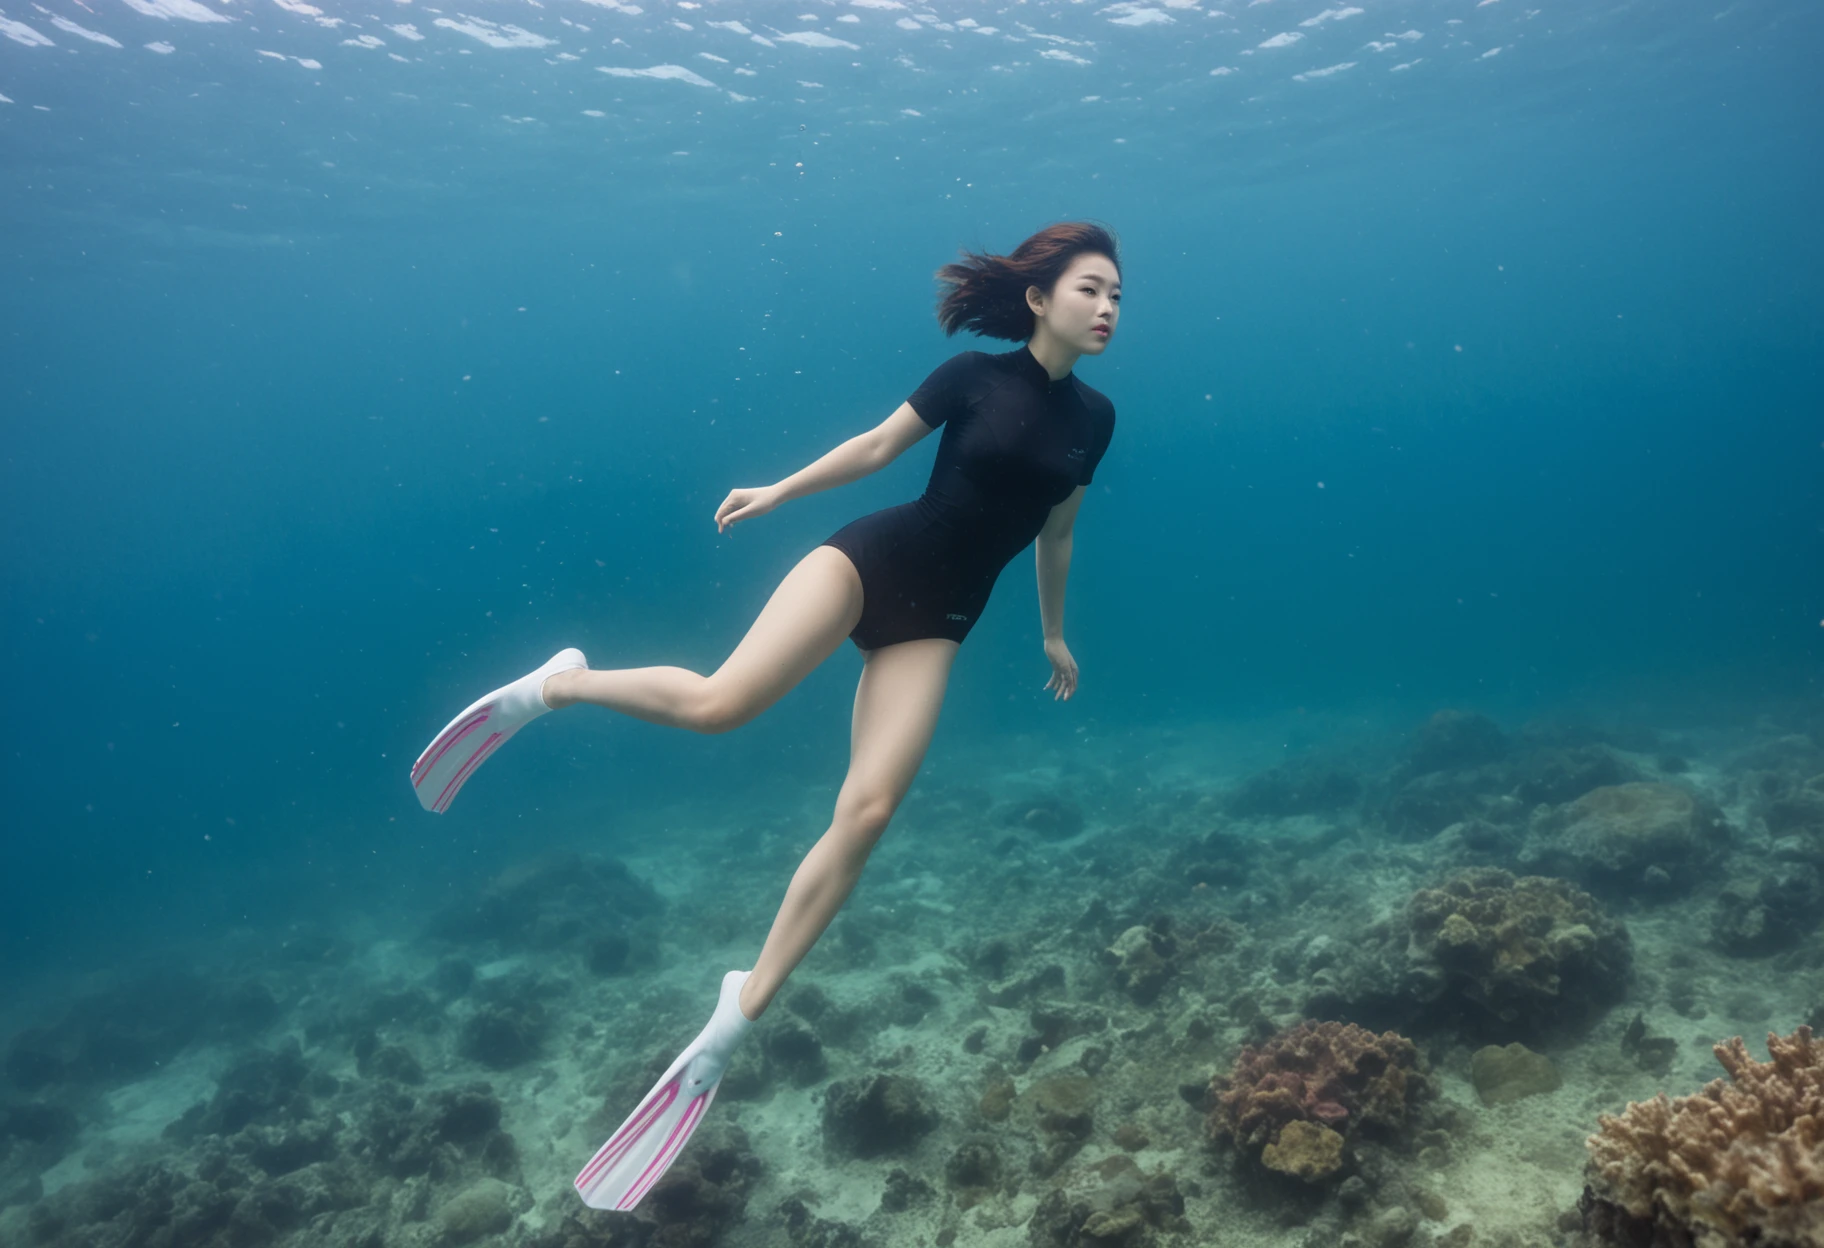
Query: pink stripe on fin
x=626, y=1137
x=456, y=782
x=469, y=768
x=680, y=1135
x=424, y=768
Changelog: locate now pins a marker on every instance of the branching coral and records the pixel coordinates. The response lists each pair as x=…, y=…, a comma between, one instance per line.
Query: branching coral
x=1739, y=1162
x=1336, y=1078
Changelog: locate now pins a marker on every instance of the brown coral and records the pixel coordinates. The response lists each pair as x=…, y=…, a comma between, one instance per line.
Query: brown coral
x=1333, y=1075
x=1305, y=1150
x=1532, y=951
x=1739, y=1162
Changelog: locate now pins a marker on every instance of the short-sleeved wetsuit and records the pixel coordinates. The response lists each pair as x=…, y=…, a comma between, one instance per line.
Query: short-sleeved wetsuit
x=1015, y=445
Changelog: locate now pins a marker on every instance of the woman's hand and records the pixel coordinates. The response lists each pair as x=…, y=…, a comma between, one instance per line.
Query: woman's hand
x=745, y=504
x=1063, y=670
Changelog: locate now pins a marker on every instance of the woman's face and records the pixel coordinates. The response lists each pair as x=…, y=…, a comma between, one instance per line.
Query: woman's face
x=1084, y=306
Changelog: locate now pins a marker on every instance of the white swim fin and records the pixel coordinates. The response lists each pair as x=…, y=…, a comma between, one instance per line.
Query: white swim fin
x=637, y=1155
x=465, y=743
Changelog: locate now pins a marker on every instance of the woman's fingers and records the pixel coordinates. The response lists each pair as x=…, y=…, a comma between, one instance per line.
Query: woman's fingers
x=730, y=511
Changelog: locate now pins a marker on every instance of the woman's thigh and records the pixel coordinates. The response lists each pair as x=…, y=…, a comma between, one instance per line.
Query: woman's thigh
x=807, y=617
x=896, y=708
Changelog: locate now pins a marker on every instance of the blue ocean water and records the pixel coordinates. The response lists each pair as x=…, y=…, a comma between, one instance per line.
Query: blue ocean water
x=353, y=359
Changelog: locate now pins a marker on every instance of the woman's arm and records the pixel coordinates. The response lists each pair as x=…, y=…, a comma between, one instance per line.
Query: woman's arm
x=860, y=455
x=1052, y=551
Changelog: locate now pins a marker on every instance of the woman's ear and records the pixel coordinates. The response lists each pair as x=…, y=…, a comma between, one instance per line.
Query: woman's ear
x=1035, y=299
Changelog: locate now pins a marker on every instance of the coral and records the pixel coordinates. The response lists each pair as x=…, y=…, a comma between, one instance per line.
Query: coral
x=1338, y=1076
x=1304, y=1150
x=1739, y=1162
x=1529, y=952
x=1484, y=953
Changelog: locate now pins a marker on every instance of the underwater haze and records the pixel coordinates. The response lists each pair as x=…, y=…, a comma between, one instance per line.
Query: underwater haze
x=1460, y=544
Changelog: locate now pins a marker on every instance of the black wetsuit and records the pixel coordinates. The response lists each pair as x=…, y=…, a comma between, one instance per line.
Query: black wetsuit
x=1015, y=445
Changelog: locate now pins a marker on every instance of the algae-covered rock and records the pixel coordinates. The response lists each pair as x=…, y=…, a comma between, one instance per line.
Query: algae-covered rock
x=504, y=1036
x=904, y=1190
x=1453, y=739
x=997, y=1100
x=1111, y=1204
x=1064, y=1105
x=483, y=1208
x=975, y=1164
x=881, y=1114
x=1611, y=836
x=1391, y=1228
x=1143, y=962
x=1304, y=1150
x=794, y=1051
x=564, y=899
x=1769, y=913
x=1507, y=1073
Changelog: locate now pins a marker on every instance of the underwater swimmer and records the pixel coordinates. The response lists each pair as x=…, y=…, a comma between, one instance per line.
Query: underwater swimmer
x=1022, y=438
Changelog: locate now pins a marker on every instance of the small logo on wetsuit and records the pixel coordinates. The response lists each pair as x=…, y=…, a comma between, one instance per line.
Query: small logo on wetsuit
x=954, y=616
x=1076, y=452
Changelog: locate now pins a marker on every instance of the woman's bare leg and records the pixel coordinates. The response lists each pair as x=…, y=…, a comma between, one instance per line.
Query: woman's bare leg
x=814, y=608
x=896, y=705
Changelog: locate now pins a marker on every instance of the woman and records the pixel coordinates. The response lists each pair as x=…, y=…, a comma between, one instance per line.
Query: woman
x=1022, y=439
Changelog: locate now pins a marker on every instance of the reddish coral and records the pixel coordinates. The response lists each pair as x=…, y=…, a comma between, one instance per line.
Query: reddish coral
x=1334, y=1075
x=1739, y=1162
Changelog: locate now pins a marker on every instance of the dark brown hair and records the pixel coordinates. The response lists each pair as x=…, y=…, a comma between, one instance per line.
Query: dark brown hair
x=987, y=293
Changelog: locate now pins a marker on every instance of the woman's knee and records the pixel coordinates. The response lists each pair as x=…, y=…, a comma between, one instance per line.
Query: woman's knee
x=866, y=815
x=715, y=708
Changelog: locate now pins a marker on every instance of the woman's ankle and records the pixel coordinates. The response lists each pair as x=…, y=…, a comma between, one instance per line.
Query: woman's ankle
x=749, y=1001
x=555, y=691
